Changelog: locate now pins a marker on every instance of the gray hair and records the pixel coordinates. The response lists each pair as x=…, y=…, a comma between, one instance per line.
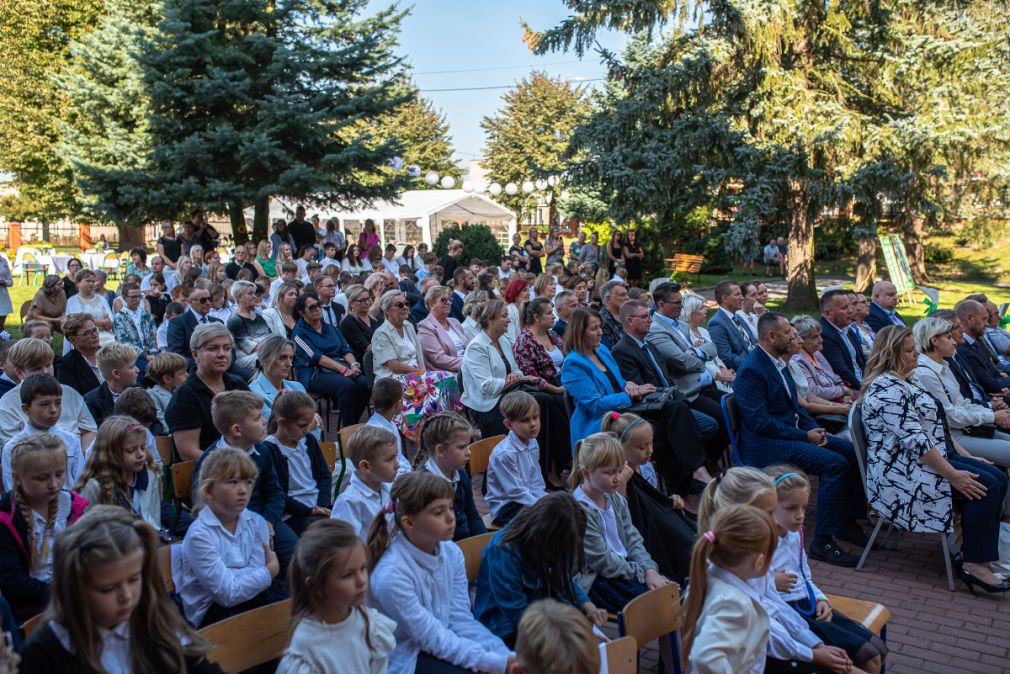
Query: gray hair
x=271, y=348
x=804, y=324
x=474, y=301
x=692, y=303
x=563, y=298
x=208, y=331
x=240, y=287
x=386, y=300
x=928, y=328
x=969, y=306
x=608, y=288
x=432, y=293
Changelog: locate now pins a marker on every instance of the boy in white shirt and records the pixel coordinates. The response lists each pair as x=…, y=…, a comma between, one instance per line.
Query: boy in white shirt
x=41, y=401
x=387, y=397
x=514, y=479
x=373, y=454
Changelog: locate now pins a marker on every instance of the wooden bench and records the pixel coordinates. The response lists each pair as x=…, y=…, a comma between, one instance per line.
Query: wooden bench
x=685, y=262
x=869, y=614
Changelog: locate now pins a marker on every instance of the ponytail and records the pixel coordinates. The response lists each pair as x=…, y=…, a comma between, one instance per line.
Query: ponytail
x=739, y=485
x=437, y=429
x=599, y=450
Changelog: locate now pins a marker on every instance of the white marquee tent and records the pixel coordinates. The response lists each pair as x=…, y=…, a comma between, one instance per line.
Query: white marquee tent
x=417, y=216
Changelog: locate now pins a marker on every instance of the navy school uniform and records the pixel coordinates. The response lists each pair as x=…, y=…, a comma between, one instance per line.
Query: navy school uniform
x=299, y=515
x=468, y=520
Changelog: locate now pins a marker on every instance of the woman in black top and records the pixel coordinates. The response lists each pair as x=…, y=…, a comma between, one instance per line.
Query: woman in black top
x=615, y=250
x=357, y=325
x=73, y=267
x=535, y=250
x=633, y=255
x=168, y=246
x=519, y=253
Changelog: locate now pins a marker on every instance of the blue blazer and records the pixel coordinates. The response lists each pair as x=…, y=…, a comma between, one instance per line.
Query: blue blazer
x=728, y=342
x=768, y=413
x=457, y=306
x=837, y=354
x=592, y=392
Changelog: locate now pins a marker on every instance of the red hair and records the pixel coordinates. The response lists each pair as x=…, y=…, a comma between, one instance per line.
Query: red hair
x=515, y=289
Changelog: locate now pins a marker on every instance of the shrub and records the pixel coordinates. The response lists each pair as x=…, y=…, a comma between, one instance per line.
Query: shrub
x=937, y=254
x=478, y=241
x=827, y=250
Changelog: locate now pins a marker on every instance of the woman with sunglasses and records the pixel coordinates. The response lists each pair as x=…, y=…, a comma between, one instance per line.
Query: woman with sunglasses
x=442, y=338
x=397, y=353
x=324, y=362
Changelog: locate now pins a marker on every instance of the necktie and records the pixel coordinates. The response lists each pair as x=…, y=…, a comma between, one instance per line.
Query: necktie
x=973, y=388
x=655, y=366
x=329, y=314
x=744, y=332
x=203, y=320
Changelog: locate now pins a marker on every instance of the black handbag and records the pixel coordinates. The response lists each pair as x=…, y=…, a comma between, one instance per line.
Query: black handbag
x=655, y=400
x=987, y=431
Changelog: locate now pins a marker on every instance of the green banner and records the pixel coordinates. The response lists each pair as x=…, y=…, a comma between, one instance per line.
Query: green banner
x=897, y=263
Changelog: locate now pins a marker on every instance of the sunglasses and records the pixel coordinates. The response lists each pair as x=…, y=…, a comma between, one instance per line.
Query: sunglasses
x=313, y=307
x=399, y=305
x=201, y=300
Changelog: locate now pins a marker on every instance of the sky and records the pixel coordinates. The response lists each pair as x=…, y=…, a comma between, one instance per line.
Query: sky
x=480, y=41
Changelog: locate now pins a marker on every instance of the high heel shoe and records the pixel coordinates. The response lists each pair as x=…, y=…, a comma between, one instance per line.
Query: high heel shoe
x=971, y=580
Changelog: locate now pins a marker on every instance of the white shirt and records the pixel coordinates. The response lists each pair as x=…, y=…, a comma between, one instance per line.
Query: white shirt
x=115, y=658
x=611, y=532
x=790, y=638
x=321, y=648
x=359, y=504
x=780, y=367
x=74, y=418
x=751, y=321
x=649, y=473
x=435, y=469
x=790, y=557
x=457, y=343
x=392, y=266
x=96, y=306
x=302, y=485
x=75, y=457
x=382, y=422
x=732, y=629
x=513, y=474
x=161, y=335
x=428, y=598
x=215, y=566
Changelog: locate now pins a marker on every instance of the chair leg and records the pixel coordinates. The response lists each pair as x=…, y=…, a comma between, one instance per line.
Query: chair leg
x=869, y=544
x=946, y=561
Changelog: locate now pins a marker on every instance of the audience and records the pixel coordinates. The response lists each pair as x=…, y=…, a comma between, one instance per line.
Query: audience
x=79, y=369
x=974, y=354
x=696, y=312
x=840, y=346
x=441, y=335
x=733, y=339
x=883, y=302
x=373, y=455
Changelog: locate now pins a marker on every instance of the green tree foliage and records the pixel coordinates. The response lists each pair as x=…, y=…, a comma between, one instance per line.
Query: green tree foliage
x=251, y=99
x=35, y=40
x=528, y=138
x=478, y=241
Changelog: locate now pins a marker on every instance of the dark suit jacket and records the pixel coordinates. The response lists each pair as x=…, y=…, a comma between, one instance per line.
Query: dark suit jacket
x=728, y=342
x=559, y=327
x=877, y=319
x=180, y=329
x=635, y=366
x=964, y=381
x=100, y=402
x=769, y=412
x=838, y=356
x=75, y=372
x=419, y=312
x=457, y=307
x=977, y=361
x=6, y=385
x=410, y=290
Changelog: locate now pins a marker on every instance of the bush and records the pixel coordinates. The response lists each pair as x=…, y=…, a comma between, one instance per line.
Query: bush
x=478, y=241
x=937, y=254
x=827, y=250
x=712, y=246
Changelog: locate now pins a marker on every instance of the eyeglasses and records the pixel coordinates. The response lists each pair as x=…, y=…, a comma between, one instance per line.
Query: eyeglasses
x=399, y=305
x=134, y=297
x=361, y=300
x=87, y=333
x=201, y=300
x=313, y=307
x=445, y=299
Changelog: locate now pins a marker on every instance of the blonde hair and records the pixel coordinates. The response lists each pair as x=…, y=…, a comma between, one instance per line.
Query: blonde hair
x=739, y=485
x=438, y=429
x=411, y=493
x=886, y=355
x=737, y=532
x=233, y=407
x=787, y=479
x=165, y=364
x=160, y=638
x=115, y=356
x=27, y=454
x=105, y=463
x=224, y=463
x=599, y=450
x=31, y=354
x=623, y=425
x=366, y=443
x=555, y=638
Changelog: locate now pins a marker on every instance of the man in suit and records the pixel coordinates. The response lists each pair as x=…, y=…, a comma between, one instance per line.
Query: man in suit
x=462, y=283
x=181, y=327
x=419, y=311
x=974, y=354
x=564, y=304
x=326, y=290
x=776, y=429
x=883, y=300
x=733, y=341
x=969, y=386
x=841, y=347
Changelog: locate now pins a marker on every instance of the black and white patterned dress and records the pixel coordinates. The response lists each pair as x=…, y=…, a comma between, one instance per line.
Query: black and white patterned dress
x=902, y=424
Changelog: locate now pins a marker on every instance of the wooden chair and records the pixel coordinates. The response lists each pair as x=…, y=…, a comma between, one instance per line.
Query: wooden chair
x=31, y=625
x=329, y=450
x=655, y=615
x=869, y=614
x=166, y=449
x=165, y=563
x=472, y=549
x=345, y=436
x=250, y=639
x=25, y=306
x=622, y=656
x=182, y=488
x=480, y=454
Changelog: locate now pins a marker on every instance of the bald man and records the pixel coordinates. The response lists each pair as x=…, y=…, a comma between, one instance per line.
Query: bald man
x=884, y=299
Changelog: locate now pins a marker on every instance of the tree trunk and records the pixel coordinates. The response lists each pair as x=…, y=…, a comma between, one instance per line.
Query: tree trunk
x=866, y=264
x=261, y=219
x=45, y=232
x=238, y=227
x=913, y=230
x=802, y=289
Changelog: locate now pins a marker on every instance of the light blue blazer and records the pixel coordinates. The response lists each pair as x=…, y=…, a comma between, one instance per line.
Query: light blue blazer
x=591, y=390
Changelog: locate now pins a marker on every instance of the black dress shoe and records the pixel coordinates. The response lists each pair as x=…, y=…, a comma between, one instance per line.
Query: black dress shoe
x=854, y=534
x=832, y=554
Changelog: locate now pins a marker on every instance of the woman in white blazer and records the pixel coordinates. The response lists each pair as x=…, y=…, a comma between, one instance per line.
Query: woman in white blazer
x=280, y=316
x=694, y=314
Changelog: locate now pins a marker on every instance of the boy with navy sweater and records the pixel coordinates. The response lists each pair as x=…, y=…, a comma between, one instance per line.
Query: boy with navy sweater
x=238, y=416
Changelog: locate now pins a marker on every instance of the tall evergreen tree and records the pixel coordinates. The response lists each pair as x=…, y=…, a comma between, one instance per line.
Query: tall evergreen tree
x=250, y=99
x=527, y=139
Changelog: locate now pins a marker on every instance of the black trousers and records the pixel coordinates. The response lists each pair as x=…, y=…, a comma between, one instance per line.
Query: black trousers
x=981, y=519
x=708, y=403
x=677, y=446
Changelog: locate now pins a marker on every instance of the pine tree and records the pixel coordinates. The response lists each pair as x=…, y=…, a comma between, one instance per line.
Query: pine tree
x=527, y=139
x=251, y=99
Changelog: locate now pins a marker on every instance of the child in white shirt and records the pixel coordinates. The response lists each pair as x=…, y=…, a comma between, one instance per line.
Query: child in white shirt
x=373, y=454
x=387, y=397
x=514, y=479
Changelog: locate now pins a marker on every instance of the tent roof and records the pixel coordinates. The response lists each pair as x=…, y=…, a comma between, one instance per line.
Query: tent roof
x=420, y=204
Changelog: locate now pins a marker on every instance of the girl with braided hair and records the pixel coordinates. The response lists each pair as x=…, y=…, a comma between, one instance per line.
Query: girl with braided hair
x=121, y=471
x=30, y=516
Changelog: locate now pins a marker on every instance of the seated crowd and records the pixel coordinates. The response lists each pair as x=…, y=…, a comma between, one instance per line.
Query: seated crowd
x=611, y=476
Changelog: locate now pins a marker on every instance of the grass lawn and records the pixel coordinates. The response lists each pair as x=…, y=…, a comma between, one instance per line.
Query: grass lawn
x=19, y=295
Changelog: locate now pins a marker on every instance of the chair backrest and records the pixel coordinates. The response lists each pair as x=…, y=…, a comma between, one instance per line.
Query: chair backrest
x=25, y=306
x=251, y=638
x=166, y=449
x=653, y=614
x=731, y=415
x=858, y=434
x=472, y=548
x=622, y=656
x=165, y=562
x=182, y=479
x=31, y=625
x=368, y=368
x=329, y=450
x=111, y=261
x=345, y=436
x=480, y=453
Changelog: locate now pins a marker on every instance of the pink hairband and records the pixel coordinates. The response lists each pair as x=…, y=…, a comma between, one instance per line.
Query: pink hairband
x=709, y=536
x=133, y=426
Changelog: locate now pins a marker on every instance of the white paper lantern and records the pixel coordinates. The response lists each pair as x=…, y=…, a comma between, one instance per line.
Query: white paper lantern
x=552, y=181
x=467, y=186
x=431, y=177
x=528, y=186
x=448, y=182
x=511, y=189
x=414, y=171
x=480, y=187
x=396, y=163
x=541, y=185
x=494, y=189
